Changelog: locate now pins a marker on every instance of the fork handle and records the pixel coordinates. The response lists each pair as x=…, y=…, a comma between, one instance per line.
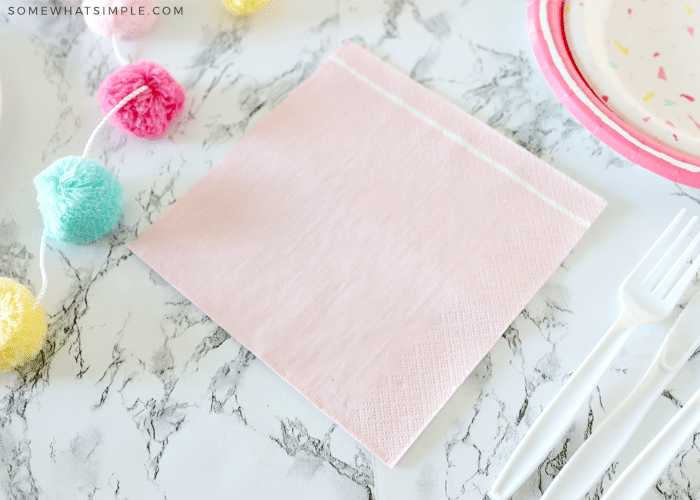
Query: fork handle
x=596, y=454
x=651, y=462
x=555, y=419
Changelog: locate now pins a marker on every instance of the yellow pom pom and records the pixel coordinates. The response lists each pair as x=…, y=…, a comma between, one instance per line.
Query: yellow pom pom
x=240, y=7
x=22, y=325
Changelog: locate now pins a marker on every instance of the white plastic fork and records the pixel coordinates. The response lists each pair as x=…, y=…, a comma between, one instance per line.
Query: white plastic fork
x=648, y=294
x=596, y=454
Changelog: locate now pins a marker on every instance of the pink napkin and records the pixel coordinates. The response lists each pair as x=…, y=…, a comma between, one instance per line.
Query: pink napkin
x=370, y=242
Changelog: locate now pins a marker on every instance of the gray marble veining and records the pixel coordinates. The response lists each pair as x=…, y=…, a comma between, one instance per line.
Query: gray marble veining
x=137, y=394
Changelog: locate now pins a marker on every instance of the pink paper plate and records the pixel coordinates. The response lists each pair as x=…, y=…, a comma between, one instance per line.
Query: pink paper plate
x=628, y=72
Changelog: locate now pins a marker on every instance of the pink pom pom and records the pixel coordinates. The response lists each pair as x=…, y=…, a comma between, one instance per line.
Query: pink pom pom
x=122, y=18
x=149, y=114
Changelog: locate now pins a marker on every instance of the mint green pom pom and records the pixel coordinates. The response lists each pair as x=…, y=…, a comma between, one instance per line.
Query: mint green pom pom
x=79, y=199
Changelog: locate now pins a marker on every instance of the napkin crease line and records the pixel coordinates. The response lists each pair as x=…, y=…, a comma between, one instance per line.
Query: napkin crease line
x=459, y=140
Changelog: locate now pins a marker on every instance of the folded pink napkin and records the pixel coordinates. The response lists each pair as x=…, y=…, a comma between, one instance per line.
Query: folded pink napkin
x=370, y=242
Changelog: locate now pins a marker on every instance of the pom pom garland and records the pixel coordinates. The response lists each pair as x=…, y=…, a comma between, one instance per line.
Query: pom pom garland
x=80, y=200
x=149, y=114
x=126, y=19
x=22, y=325
x=241, y=7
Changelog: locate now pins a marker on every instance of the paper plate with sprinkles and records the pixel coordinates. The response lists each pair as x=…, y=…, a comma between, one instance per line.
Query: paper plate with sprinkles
x=630, y=73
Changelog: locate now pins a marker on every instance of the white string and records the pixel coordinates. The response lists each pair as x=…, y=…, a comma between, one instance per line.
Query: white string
x=122, y=60
x=120, y=105
x=42, y=268
x=109, y=115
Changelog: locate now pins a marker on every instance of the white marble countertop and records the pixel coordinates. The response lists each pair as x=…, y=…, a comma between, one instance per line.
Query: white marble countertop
x=138, y=395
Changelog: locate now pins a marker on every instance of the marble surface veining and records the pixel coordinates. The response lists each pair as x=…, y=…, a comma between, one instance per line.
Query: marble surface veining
x=138, y=395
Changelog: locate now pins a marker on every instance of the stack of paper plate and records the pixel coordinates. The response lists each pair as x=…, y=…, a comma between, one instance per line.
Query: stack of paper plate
x=629, y=71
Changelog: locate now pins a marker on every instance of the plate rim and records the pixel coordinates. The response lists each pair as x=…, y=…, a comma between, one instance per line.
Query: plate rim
x=545, y=19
